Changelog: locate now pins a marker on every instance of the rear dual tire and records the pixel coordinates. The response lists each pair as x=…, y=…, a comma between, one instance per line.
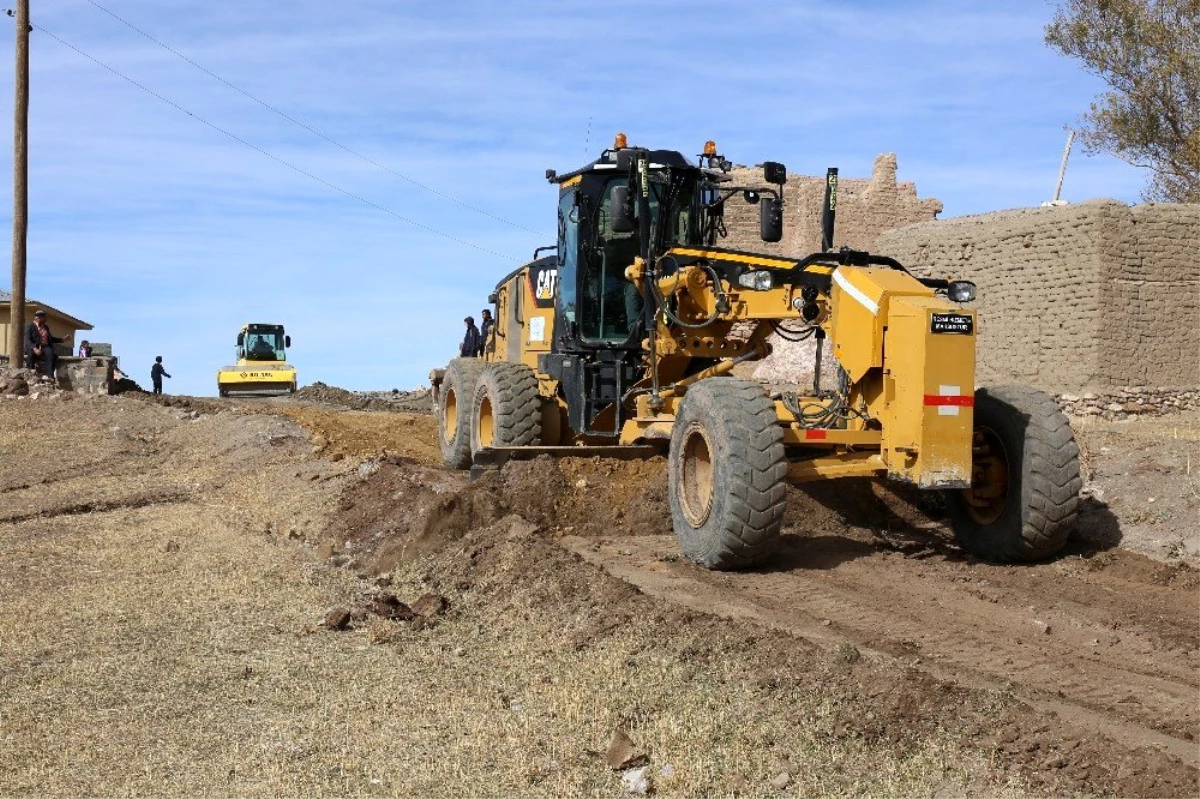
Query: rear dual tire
x=486, y=405
x=454, y=411
x=507, y=411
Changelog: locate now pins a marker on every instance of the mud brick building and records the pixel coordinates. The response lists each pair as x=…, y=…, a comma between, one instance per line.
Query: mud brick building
x=61, y=323
x=866, y=207
x=1073, y=298
x=85, y=375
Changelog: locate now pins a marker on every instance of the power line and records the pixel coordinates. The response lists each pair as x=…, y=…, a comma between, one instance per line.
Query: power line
x=312, y=130
x=270, y=155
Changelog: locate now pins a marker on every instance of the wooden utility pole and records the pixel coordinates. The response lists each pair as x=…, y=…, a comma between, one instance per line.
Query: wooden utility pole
x=16, y=327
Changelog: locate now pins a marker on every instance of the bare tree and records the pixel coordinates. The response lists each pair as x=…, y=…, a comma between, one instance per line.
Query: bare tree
x=1148, y=52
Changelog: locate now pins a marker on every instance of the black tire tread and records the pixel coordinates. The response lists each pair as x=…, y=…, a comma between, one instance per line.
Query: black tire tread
x=516, y=404
x=757, y=491
x=461, y=374
x=1053, y=481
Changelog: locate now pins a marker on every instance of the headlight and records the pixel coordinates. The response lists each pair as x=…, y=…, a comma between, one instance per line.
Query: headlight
x=758, y=279
x=961, y=291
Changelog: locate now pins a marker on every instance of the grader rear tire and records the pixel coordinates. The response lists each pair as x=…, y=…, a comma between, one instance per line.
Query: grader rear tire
x=454, y=411
x=507, y=411
x=726, y=473
x=1024, y=495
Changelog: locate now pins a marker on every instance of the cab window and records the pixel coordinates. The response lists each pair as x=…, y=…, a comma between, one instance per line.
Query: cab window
x=568, y=254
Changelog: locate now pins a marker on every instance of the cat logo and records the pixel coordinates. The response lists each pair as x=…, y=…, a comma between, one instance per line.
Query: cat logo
x=547, y=281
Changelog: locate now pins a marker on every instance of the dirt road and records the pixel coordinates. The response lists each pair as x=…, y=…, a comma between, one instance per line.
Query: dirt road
x=1109, y=647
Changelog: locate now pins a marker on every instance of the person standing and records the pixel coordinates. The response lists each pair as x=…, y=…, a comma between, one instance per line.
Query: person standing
x=470, y=342
x=157, y=372
x=85, y=349
x=485, y=329
x=39, y=345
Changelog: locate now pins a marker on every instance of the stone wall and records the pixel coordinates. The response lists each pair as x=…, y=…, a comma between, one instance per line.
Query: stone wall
x=866, y=208
x=1081, y=297
x=93, y=375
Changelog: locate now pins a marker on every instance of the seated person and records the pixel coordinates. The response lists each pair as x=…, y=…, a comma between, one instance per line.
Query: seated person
x=262, y=348
x=39, y=345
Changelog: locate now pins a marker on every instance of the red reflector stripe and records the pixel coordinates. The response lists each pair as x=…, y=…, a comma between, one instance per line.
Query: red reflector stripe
x=965, y=400
x=814, y=434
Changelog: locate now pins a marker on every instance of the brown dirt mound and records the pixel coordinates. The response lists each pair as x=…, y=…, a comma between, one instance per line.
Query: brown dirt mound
x=406, y=401
x=404, y=509
x=364, y=434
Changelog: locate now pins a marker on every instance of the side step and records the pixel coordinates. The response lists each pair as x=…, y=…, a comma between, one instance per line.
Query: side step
x=490, y=458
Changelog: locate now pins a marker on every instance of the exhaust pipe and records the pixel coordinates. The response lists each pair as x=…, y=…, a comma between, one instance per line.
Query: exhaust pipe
x=829, y=209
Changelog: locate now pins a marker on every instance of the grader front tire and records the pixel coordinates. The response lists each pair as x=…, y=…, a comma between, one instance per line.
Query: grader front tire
x=507, y=411
x=1024, y=495
x=454, y=411
x=726, y=473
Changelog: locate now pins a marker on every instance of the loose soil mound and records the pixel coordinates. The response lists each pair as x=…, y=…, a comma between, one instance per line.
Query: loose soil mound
x=405, y=509
x=418, y=401
x=363, y=434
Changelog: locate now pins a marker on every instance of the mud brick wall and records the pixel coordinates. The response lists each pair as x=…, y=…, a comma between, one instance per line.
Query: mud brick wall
x=1081, y=297
x=866, y=208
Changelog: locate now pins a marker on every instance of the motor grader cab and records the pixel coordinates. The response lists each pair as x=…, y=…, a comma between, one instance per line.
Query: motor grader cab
x=261, y=367
x=623, y=339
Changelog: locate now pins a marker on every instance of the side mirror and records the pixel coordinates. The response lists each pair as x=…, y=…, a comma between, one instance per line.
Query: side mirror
x=621, y=210
x=241, y=339
x=287, y=341
x=775, y=172
x=770, y=220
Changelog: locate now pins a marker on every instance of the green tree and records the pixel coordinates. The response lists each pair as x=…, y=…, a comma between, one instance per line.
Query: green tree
x=1148, y=52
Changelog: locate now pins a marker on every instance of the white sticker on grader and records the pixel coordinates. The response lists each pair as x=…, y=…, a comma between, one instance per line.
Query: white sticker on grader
x=537, y=328
x=949, y=391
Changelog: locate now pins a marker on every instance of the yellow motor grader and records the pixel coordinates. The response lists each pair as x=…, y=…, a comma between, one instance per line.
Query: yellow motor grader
x=622, y=341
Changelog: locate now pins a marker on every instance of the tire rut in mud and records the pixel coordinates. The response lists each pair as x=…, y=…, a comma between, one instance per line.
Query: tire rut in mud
x=1114, y=650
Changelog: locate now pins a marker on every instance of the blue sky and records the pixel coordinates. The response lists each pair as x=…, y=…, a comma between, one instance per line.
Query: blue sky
x=167, y=235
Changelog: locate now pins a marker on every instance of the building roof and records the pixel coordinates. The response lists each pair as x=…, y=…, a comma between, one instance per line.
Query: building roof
x=78, y=324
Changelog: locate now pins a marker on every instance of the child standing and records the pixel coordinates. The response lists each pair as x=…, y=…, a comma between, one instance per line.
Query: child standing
x=156, y=374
